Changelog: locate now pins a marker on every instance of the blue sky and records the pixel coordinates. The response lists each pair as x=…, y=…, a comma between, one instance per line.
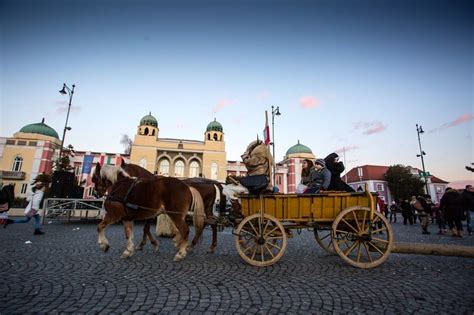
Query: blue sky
x=353, y=74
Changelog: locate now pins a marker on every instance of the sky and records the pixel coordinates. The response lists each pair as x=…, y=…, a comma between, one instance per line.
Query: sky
x=353, y=76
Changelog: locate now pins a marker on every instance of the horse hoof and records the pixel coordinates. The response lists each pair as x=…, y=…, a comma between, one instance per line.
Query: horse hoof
x=211, y=250
x=178, y=257
x=155, y=248
x=127, y=254
x=140, y=247
x=104, y=247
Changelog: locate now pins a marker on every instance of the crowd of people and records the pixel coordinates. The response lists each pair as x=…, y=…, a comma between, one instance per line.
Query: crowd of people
x=453, y=208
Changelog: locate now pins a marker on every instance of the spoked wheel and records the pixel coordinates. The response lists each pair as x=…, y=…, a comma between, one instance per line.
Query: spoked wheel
x=260, y=240
x=359, y=241
x=323, y=236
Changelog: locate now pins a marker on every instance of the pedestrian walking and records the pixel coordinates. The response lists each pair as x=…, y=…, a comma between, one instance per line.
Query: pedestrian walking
x=33, y=208
x=393, y=212
x=468, y=202
x=451, y=205
x=406, y=212
x=422, y=206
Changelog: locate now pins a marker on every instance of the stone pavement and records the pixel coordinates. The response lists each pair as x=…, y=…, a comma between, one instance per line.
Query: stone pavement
x=64, y=271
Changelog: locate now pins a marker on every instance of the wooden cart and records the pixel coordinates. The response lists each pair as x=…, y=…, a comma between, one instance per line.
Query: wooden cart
x=343, y=223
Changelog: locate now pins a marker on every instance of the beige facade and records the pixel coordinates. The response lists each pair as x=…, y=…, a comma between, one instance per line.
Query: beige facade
x=25, y=155
x=180, y=157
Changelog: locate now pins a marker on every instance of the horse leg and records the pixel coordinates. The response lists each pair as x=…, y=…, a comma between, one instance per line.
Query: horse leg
x=129, y=251
x=214, y=239
x=102, y=240
x=181, y=240
x=147, y=233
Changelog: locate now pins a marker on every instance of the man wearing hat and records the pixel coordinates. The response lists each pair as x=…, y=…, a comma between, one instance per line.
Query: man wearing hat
x=319, y=177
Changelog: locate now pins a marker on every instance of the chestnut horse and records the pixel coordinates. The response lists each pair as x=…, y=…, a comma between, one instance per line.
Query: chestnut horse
x=210, y=190
x=132, y=199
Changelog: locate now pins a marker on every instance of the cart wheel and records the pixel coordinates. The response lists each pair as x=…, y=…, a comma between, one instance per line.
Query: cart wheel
x=260, y=240
x=323, y=236
x=358, y=241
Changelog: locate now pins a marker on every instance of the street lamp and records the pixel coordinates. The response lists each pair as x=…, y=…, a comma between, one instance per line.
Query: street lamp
x=275, y=112
x=419, y=130
x=66, y=90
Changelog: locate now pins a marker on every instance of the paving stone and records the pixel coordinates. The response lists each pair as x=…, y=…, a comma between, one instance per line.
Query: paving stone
x=64, y=272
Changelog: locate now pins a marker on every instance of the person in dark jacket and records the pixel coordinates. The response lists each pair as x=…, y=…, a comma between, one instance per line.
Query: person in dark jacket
x=336, y=168
x=468, y=201
x=406, y=212
x=451, y=205
x=319, y=178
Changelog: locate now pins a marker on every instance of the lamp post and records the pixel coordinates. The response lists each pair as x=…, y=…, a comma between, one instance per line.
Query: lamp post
x=66, y=90
x=275, y=112
x=419, y=130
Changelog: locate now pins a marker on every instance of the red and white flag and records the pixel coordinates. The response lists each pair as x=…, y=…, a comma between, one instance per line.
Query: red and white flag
x=266, y=130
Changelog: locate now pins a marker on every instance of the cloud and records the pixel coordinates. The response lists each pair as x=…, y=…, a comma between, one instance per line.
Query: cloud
x=464, y=118
x=370, y=127
x=346, y=149
x=263, y=95
x=222, y=104
x=309, y=101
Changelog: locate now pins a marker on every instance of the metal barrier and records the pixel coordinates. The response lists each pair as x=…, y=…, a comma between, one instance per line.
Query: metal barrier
x=67, y=209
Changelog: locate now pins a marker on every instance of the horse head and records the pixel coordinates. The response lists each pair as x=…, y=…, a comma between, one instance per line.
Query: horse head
x=105, y=176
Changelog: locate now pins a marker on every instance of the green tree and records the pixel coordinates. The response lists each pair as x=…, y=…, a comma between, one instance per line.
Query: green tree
x=63, y=163
x=402, y=183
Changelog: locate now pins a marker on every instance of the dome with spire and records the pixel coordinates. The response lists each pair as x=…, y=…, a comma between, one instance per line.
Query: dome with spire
x=214, y=126
x=299, y=148
x=149, y=120
x=40, y=128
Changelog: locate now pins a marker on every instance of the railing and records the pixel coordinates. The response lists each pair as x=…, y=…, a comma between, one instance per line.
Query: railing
x=12, y=175
x=67, y=209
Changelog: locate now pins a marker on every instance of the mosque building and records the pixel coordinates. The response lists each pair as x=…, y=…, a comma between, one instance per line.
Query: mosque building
x=180, y=157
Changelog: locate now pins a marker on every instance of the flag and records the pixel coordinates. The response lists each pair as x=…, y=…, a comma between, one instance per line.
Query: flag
x=266, y=130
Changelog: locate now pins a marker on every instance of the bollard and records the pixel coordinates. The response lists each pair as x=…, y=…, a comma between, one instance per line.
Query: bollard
x=433, y=249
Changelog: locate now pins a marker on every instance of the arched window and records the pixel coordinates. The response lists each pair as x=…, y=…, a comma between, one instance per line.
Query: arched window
x=214, y=170
x=164, y=168
x=194, y=169
x=153, y=132
x=179, y=169
x=215, y=137
x=17, y=163
x=208, y=136
x=146, y=131
x=142, y=163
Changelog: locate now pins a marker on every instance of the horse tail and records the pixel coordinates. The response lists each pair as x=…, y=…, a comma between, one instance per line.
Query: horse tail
x=197, y=207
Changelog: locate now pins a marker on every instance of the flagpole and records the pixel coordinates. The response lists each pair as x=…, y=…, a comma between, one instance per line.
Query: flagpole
x=345, y=164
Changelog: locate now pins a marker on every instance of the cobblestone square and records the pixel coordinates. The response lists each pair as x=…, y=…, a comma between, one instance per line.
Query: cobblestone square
x=64, y=271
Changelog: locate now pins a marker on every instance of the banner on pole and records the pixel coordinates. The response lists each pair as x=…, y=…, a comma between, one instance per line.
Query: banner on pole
x=87, y=164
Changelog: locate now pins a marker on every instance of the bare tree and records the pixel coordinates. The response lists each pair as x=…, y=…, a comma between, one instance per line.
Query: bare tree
x=127, y=143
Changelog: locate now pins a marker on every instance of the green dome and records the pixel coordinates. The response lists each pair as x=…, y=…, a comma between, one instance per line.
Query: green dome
x=40, y=128
x=214, y=126
x=149, y=120
x=299, y=148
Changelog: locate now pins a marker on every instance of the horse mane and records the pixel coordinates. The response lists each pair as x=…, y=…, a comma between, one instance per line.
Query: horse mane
x=111, y=173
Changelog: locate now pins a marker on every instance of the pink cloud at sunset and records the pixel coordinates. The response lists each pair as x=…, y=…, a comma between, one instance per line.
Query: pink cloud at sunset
x=370, y=127
x=223, y=103
x=309, y=101
x=464, y=118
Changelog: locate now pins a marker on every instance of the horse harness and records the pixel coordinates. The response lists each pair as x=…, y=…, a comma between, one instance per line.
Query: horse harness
x=125, y=204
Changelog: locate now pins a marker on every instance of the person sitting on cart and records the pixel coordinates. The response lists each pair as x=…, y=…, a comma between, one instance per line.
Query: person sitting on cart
x=319, y=178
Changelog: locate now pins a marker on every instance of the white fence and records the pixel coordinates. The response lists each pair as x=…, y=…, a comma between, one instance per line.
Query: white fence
x=73, y=209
